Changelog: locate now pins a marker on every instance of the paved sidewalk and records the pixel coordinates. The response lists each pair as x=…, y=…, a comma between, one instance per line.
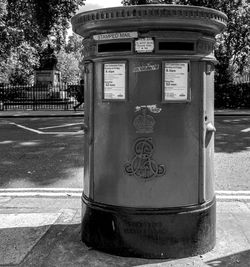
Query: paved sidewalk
x=70, y=113
x=232, y=112
x=45, y=231
x=40, y=113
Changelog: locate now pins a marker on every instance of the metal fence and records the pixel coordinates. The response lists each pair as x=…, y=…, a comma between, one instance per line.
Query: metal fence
x=63, y=97
x=242, y=79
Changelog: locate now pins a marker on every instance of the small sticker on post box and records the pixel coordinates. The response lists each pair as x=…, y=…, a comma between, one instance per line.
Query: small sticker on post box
x=144, y=45
x=114, y=81
x=115, y=36
x=176, y=81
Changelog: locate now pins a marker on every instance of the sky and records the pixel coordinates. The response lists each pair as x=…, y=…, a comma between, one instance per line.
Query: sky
x=96, y=4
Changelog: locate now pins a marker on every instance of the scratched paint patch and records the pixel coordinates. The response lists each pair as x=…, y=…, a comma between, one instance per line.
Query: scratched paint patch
x=146, y=67
x=151, y=108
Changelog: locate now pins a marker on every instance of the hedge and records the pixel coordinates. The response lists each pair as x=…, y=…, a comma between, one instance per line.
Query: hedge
x=232, y=96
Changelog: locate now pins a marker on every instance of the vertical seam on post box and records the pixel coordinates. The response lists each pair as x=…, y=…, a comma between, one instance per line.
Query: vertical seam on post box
x=201, y=190
x=91, y=116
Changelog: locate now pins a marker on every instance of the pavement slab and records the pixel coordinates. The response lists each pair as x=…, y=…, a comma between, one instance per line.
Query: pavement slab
x=40, y=113
x=19, y=233
x=41, y=231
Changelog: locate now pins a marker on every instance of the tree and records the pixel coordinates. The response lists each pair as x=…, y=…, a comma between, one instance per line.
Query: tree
x=74, y=44
x=38, y=19
x=69, y=59
x=145, y=2
x=33, y=24
x=233, y=45
x=232, y=48
x=2, y=44
x=19, y=67
x=68, y=64
x=134, y=2
x=8, y=34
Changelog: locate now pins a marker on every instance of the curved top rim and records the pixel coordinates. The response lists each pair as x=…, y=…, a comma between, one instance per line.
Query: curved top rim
x=151, y=6
x=153, y=16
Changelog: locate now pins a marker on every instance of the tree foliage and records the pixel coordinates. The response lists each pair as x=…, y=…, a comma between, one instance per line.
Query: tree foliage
x=68, y=64
x=74, y=44
x=22, y=62
x=233, y=45
x=69, y=60
x=32, y=24
x=145, y=2
x=36, y=20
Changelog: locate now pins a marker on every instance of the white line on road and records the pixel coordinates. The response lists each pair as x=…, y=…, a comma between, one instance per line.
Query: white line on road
x=246, y=130
x=49, y=133
x=26, y=128
x=228, y=192
x=68, y=133
x=60, y=126
x=35, y=189
x=39, y=194
x=77, y=192
x=232, y=197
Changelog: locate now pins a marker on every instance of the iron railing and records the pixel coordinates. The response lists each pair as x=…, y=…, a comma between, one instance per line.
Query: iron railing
x=63, y=97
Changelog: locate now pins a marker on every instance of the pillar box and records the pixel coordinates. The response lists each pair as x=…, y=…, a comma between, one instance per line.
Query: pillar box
x=149, y=141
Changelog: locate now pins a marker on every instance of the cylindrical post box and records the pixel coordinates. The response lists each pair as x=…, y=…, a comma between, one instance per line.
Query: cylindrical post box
x=149, y=142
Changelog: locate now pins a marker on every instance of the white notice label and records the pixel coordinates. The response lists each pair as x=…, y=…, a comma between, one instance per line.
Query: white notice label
x=144, y=45
x=176, y=81
x=114, y=81
x=115, y=36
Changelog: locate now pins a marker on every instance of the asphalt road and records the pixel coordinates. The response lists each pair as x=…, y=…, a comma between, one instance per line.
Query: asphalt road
x=48, y=152
x=232, y=153
x=41, y=152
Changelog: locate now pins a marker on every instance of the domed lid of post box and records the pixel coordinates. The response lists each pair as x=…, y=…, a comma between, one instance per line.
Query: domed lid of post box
x=150, y=17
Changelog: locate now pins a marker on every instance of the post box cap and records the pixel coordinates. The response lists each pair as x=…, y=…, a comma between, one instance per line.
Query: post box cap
x=149, y=17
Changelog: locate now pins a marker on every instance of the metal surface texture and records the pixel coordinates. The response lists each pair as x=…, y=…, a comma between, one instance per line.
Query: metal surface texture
x=174, y=133
x=150, y=136
x=150, y=233
x=142, y=164
x=145, y=17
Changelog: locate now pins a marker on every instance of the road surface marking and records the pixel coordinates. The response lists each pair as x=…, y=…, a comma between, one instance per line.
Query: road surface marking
x=49, y=133
x=41, y=192
x=232, y=197
x=68, y=133
x=245, y=130
x=77, y=192
x=60, y=126
x=228, y=192
x=26, y=128
x=35, y=189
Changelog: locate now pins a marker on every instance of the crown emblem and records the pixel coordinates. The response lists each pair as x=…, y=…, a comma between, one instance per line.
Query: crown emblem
x=144, y=123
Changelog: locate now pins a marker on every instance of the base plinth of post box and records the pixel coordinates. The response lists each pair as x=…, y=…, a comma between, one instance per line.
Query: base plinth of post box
x=149, y=233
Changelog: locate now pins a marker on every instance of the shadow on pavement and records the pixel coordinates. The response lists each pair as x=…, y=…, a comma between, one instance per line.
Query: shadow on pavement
x=33, y=160
x=62, y=246
x=232, y=134
x=241, y=259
